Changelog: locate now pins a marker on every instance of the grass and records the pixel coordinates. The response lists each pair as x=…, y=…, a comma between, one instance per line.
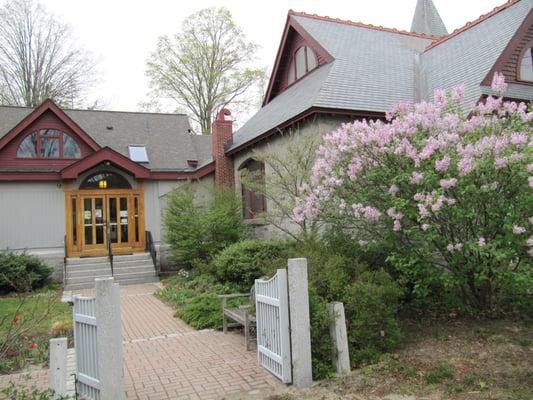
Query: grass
x=26, y=325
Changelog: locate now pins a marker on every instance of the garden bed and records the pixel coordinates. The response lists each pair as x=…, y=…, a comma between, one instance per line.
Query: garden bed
x=31, y=320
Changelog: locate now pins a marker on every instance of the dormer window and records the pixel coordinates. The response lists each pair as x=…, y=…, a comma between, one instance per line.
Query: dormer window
x=303, y=61
x=48, y=143
x=526, y=66
x=138, y=153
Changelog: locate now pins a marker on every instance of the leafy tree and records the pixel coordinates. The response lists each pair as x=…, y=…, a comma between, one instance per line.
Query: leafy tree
x=287, y=174
x=194, y=232
x=205, y=66
x=38, y=60
x=451, y=195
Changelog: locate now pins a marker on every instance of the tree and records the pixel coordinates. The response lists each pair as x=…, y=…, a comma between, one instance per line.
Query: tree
x=38, y=60
x=451, y=195
x=287, y=173
x=205, y=66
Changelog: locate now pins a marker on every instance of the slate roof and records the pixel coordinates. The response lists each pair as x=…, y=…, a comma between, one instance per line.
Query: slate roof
x=375, y=67
x=427, y=19
x=166, y=136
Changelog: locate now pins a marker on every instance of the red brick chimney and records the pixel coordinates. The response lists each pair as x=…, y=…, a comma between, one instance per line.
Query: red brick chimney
x=221, y=135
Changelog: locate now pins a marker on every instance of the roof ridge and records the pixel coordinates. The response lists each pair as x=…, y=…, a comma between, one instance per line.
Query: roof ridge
x=88, y=110
x=362, y=25
x=470, y=24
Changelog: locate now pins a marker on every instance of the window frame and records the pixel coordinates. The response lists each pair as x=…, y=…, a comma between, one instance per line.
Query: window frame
x=42, y=134
x=292, y=64
x=248, y=195
x=529, y=46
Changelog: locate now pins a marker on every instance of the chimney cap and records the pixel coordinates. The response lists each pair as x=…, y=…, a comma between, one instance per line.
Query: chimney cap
x=221, y=115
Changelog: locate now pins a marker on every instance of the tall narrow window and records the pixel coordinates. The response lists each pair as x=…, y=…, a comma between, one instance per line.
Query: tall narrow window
x=253, y=200
x=526, y=66
x=303, y=61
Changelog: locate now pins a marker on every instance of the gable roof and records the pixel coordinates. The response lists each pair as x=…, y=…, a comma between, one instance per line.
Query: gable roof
x=167, y=137
x=375, y=67
x=427, y=19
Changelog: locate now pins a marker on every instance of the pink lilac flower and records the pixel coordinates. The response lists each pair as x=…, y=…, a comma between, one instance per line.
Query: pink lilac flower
x=448, y=183
x=425, y=227
x=371, y=213
x=530, y=167
x=458, y=92
x=498, y=83
x=519, y=138
x=530, y=180
x=450, y=248
x=418, y=196
x=363, y=242
x=423, y=210
x=394, y=189
x=518, y=230
x=481, y=242
x=397, y=225
x=501, y=162
x=458, y=247
x=416, y=177
x=530, y=241
x=442, y=165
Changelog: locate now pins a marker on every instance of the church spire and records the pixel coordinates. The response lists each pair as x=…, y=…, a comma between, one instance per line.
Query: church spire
x=427, y=19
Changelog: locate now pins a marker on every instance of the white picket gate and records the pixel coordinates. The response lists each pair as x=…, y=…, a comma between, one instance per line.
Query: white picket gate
x=85, y=331
x=272, y=319
x=98, y=343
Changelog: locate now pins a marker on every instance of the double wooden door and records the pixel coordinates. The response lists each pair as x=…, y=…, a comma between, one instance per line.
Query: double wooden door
x=97, y=219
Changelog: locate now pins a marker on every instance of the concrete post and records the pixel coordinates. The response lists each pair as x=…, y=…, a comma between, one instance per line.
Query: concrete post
x=300, y=326
x=109, y=340
x=337, y=330
x=57, y=371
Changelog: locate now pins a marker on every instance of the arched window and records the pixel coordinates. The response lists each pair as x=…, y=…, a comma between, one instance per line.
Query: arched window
x=253, y=200
x=303, y=61
x=105, y=180
x=526, y=65
x=48, y=143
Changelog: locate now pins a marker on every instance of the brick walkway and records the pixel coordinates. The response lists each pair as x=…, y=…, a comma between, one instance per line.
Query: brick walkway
x=164, y=358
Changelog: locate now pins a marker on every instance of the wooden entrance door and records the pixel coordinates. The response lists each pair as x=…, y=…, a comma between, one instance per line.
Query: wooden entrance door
x=96, y=218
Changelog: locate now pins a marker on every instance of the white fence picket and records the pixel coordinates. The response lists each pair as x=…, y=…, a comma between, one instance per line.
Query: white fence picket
x=272, y=319
x=85, y=327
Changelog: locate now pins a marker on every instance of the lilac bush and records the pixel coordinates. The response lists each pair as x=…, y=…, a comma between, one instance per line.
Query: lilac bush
x=451, y=193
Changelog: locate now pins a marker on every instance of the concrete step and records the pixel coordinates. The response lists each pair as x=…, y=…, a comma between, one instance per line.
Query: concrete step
x=117, y=265
x=71, y=261
x=117, y=274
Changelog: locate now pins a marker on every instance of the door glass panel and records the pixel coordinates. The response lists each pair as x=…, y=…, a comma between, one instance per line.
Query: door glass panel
x=113, y=223
x=74, y=223
x=99, y=220
x=136, y=217
x=124, y=219
x=88, y=221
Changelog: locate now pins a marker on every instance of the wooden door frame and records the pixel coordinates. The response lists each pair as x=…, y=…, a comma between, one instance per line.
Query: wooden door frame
x=132, y=246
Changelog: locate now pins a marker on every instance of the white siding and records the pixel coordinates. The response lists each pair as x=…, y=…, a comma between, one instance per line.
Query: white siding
x=32, y=215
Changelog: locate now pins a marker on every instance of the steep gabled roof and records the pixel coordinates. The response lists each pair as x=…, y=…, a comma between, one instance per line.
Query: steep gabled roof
x=427, y=19
x=167, y=137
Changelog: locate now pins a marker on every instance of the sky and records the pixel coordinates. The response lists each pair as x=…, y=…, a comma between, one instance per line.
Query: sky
x=121, y=34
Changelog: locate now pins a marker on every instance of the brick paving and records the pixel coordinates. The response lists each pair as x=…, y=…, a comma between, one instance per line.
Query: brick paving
x=164, y=358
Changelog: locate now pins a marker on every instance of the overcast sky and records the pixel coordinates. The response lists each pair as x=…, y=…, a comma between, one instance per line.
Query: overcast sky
x=121, y=34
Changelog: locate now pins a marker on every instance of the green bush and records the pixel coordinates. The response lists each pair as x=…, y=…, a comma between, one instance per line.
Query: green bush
x=21, y=272
x=321, y=345
x=371, y=306
x=243, y=262
x=196, y=233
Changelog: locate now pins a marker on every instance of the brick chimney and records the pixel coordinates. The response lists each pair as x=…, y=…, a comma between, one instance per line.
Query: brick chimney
x=221, y=135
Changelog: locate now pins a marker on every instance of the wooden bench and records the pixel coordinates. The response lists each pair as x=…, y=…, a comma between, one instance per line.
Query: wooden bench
x=241, y=315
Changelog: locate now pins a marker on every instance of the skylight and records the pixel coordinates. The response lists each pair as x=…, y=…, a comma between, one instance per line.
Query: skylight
x=138, y=153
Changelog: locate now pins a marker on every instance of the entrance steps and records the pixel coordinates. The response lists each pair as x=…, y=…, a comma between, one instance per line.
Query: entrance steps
x=127, y=270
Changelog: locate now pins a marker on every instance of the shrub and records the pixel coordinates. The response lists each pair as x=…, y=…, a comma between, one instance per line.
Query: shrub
x=21, y=392
x=371, y=306
x=243, y=262
x=196, y=233
x=321, y=345
x=21, y=272
x=450, y=195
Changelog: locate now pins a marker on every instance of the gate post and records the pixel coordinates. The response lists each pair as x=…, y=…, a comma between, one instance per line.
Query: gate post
x=57, y=370
x=337, y=330
x=300, y=327
x=109, y=340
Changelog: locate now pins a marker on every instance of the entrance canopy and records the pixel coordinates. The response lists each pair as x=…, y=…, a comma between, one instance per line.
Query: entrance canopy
x=104, y=155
